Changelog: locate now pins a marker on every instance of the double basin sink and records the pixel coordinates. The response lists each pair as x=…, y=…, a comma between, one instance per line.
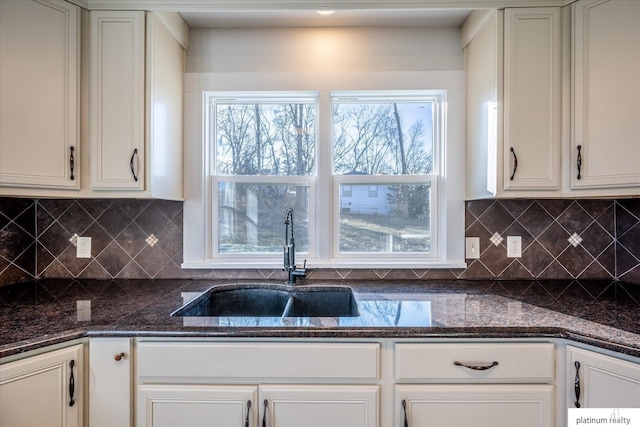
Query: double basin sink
x=270, y=300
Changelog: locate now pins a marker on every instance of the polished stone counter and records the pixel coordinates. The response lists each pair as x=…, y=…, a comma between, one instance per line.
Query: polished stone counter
x=602, y=313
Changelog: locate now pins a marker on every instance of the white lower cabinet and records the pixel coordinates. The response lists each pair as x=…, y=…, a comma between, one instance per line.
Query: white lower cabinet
x=110, y=364
x=599, y=381
x=253, y=405
x=319, y=405
x=268, y=384
x=469, y=384
x=197, y=405
x=475, y=405
x=43, y=390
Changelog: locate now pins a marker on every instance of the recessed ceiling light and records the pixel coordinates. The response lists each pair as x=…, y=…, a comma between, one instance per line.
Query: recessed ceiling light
x=325, y=12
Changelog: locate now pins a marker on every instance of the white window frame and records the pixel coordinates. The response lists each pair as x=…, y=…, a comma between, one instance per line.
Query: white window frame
x=438, y=98
x=211, y=230
x=198, y=204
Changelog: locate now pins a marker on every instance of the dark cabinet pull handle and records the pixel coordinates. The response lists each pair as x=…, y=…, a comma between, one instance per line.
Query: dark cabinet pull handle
x=579, y=160
x=119, y=357
x=476, y=367
x=133, y=172
x=515, y=164
x=576, y=384
x=72, y=163
x=72, y=384
x=404, y=407
x=246, y=420
x=264, y=416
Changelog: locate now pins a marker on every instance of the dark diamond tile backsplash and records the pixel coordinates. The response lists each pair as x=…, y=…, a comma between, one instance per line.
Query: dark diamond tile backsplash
x=561, y=239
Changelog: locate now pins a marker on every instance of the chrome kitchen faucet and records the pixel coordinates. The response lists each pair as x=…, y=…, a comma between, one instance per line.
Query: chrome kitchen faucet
x=290, y=251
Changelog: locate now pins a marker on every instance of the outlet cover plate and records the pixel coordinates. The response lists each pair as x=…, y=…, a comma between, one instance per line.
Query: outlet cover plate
x=514, y=246
x=472, y=247
x=83, y=247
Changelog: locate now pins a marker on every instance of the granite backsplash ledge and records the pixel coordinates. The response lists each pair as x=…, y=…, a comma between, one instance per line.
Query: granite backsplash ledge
x=142, y=239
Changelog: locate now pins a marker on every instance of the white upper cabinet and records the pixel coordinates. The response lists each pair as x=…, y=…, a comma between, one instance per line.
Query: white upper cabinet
x=532, y=126
x=116, y=113
x=513, y=102
x=606, y=94
x=39, y=87
x=135, y=104
x=553, y=101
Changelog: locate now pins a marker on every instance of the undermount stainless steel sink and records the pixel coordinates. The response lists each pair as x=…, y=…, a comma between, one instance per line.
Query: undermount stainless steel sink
x=269, y=300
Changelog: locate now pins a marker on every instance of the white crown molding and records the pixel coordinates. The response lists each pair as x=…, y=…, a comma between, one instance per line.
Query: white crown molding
x=239, y=5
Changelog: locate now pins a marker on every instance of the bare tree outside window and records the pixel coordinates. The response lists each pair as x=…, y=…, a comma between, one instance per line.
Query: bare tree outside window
x=373, y=140
x=258, y=139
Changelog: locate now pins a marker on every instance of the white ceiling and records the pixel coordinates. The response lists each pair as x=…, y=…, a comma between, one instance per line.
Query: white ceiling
x=341, y=18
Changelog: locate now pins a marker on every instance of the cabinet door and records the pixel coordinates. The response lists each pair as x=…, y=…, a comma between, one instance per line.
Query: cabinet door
x=39, y=83
x=196, y=406
x=43, y=391
x=532, y=99
x=110, y=382
x=319, y=406
x=116, y=110
x=603, y=381
x=606, y=91
x=474, y=405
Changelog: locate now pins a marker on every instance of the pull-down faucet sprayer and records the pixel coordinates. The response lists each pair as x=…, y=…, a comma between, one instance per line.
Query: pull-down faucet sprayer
x=290, y=250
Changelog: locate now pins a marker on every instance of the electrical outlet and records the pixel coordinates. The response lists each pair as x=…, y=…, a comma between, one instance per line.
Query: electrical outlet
x=472, y=247
x=514, y=246
x=83, y=247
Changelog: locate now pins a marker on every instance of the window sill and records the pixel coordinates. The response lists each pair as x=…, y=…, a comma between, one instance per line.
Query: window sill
x=375, y=264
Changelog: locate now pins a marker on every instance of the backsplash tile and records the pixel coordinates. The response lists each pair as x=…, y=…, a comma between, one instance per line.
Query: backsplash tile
x=628, y=240
x=560, y=238
x=141, y=239
x=17, y=240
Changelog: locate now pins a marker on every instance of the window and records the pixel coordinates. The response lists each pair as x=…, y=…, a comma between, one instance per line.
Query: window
x=383, y=149
x=263, y=162
x=362, y=171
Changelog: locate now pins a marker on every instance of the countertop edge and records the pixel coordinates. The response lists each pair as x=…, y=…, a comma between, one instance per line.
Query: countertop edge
x=345, y=333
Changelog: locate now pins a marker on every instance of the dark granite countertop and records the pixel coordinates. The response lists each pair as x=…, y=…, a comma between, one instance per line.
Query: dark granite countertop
x=602, y=313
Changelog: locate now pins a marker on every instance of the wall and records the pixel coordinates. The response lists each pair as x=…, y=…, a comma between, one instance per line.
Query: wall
x=324, y=49
x=34, y=241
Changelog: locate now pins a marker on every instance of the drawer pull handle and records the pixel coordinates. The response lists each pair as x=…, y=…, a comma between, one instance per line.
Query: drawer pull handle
x=576, y=384
x=119, y=357
x=72, y=163
x=264, y=416
x=133, y=172
x=515, y=164
x=476, y=367
x=72, y=384
x=579, y=161
x=404, y=407
x=246, y=420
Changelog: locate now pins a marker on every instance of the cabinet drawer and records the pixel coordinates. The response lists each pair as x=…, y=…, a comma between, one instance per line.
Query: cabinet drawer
x=528, y=362
x=201, y=361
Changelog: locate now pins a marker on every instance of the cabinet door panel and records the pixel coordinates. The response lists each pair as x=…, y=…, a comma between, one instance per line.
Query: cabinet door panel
x=475, y=405
x=606, y=90
x=116, y=119
x=196, y=406
x=320, y=406
x=39, y=81
x=532, y=99
x=35, y=392
x=605, y=382
x=110, y=382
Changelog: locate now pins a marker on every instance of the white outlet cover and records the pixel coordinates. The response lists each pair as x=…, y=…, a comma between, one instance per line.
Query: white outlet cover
x=472, y=247
x=83, y=247
x=514, y=246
